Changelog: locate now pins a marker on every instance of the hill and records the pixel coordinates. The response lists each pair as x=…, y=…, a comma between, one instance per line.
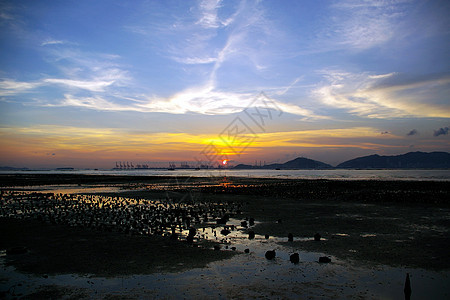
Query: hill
x=410, y=160
x=298, y=163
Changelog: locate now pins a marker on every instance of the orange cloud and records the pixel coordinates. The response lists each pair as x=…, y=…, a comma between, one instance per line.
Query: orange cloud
x=62, y=144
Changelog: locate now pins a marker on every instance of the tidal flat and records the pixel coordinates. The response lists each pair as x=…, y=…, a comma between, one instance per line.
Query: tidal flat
x=374, y=232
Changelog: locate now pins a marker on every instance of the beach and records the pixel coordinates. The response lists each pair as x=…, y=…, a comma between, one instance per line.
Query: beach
x=364, y=224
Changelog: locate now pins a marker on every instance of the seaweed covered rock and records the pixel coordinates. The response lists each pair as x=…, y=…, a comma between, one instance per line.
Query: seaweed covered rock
x=270, y=254
x=324, y=259
x=317, y=237
x=294, y=258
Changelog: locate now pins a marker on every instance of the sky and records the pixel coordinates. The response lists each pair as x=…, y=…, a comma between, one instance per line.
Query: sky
x=88, y=83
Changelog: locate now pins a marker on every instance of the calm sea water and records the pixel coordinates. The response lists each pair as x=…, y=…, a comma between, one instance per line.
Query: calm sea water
x=440, y=175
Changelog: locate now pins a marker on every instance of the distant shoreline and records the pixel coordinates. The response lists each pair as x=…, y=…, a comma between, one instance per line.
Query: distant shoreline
x=4, y=170
x=379, y=190
x=329, y=174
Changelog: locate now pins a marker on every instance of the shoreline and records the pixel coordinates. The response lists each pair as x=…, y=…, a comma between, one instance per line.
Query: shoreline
x=405, y=192
x=419, y=175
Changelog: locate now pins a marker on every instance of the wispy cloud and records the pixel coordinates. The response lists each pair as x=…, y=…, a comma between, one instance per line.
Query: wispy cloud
x=12, y=87
x=281, y=91
x=95, y=103
x=192, y=39
x=202, y=100
x=5, y=16
x=49, y=42
x=92, y=72
x=364, y=24
x=195, y=60
x=385, y=95
x=209, y=18
x=94, y=86
x=216, y=37
x=99, y=75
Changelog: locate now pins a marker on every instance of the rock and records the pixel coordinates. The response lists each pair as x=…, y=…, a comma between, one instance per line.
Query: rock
x=251, y=235
x=244, y=224
x=407, y=288
x=221, y=221
x=266, y=236
x=252, y=221
x=192, y=231
x=324, y=259
x=294, y=258
x=290, y=237
x=247, y=250
x=233, y=248
x=270, y=254
x=225, y=232
x=317, y=237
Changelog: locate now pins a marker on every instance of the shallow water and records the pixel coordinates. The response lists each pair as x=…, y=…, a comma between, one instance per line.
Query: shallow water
x=249, y=276
x=335, y=174
x=73, y=189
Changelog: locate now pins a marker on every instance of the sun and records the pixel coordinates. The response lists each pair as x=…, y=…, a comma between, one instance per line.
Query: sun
x=224, y=162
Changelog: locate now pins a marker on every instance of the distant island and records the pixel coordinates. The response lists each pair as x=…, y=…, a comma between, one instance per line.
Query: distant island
x=410, y=160
x=298, y=163
x=6, y=168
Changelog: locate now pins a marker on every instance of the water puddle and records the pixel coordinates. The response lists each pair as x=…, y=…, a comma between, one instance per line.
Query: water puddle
x=368, y=235
x=72, y=189
x=247, y=276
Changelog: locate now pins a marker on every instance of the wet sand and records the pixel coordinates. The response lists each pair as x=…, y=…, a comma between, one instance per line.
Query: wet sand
x=399, y=223
x=362, y=223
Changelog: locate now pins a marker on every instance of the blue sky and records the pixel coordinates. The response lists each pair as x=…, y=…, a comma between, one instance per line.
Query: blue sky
x=87, y=83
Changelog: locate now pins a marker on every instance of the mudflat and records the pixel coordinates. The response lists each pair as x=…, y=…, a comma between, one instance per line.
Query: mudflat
x=64, y=250
x=397, y=223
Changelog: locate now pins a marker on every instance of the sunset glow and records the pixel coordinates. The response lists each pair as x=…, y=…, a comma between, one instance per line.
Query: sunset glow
x=87, y=85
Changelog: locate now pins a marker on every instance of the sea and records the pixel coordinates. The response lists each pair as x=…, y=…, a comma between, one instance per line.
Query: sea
x=332, y=174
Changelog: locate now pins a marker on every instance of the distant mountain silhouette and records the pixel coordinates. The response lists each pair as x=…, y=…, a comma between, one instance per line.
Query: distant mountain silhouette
x=411, y=160
x=298, y=163
x=6, y=168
